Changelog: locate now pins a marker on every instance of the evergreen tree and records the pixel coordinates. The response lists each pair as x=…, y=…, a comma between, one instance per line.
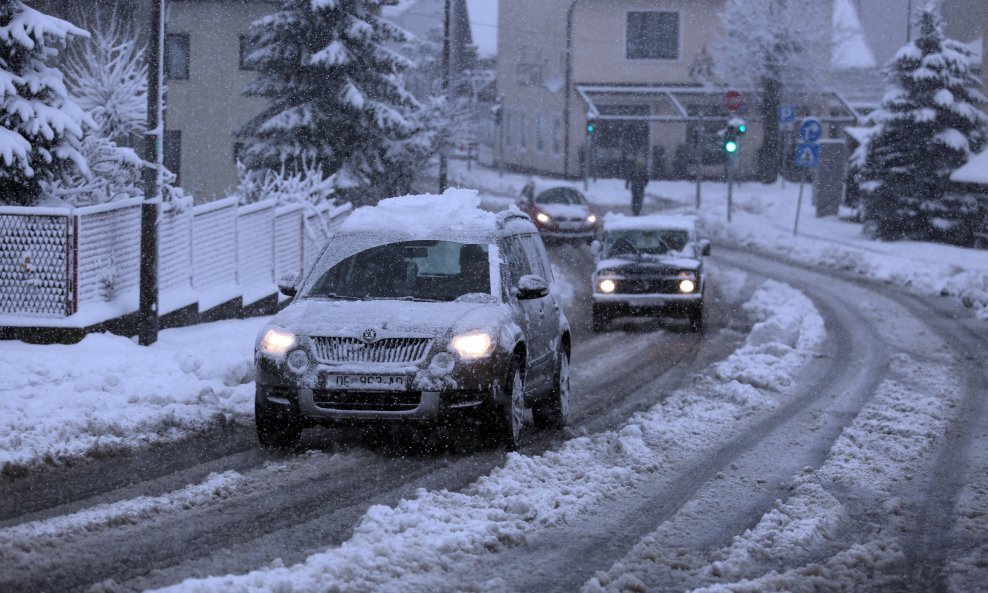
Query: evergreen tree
x=41, y=127
x=335, y=95
x=927, y=126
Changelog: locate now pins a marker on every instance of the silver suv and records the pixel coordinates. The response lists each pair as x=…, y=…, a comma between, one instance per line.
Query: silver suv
x=419, y=309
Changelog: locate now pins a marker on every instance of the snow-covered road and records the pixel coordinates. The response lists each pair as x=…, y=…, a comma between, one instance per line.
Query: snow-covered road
x=821, y=435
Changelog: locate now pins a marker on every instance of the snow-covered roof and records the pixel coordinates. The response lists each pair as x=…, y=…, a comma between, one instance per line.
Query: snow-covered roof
x=621, y=222
x=974, y=171
x=454, y=213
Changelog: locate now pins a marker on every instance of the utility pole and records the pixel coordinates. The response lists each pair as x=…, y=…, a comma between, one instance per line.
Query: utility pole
x=148, y=323
x=446, y=48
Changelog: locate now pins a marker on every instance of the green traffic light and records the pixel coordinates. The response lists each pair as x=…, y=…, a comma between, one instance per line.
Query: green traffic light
x=742, y=128
x=731, y=146
x=590, y=128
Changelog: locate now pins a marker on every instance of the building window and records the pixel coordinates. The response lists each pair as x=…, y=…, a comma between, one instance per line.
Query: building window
x=557, y=135
x=539, y=134
x=523, y=131
x=653, y=36
x=172, y=154
x=246, y=47
x=177, y=56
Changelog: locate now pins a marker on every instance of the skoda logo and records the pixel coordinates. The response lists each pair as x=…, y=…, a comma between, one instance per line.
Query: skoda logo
x=370, y=335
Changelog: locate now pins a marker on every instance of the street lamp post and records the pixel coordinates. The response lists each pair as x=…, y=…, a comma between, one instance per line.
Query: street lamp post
x=446, y=50
x=148, y=323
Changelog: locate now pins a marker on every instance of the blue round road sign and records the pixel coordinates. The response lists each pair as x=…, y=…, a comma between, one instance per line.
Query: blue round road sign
x=810, y=130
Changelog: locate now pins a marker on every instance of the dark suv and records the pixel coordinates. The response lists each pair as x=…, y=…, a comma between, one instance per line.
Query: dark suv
x=419, y=309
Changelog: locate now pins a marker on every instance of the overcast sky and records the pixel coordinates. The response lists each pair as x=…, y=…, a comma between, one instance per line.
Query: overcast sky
x=483, y=26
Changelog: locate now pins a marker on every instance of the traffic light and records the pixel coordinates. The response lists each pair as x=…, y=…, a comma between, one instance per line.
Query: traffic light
x=732, y=135
x=591, y=123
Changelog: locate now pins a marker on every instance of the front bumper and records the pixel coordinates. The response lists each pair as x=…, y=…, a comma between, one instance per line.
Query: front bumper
x=469, y=386
x=615, y=304
x=568, y=234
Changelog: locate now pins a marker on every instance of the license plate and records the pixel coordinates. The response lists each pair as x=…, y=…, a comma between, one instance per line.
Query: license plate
x=367, y=382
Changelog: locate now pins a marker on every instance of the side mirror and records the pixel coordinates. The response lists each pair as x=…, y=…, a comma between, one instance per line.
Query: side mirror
x=704, y=247
x=288, y=284
x=531, y=287
x=595, y=248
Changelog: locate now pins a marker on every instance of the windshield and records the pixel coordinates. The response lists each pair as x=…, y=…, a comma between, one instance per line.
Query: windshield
x=413, y=270
x=561, y=195
x=644, y=242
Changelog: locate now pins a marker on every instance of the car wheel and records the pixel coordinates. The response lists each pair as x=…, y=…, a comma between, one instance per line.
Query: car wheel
x=696, y=320
x=554, y=413
x=277, y=428
x=600, y=320
x=509, y=411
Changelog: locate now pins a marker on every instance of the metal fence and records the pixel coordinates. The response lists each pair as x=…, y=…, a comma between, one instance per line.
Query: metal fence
x=36, y=262
x=58, y=262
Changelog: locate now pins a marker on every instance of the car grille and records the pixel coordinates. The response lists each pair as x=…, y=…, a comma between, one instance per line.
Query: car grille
x=348, y=350
x=648, y=286
x=367, y=401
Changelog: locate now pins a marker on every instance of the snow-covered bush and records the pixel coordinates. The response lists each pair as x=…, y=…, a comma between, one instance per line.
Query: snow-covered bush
x=335, y=93
x=929, y=123
x=41, y=126
x=108, y=75
x=306, y=185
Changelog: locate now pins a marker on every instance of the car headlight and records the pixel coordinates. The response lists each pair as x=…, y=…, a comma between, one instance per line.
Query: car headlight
x=607, y=286
x=592, y=218
x=478, y=344
x=542, y=217
x=277, y=341
x=687, y=285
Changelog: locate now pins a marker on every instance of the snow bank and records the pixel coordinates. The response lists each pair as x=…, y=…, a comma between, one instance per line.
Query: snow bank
x=417, y=542
x=894, y=436
x=108, y=394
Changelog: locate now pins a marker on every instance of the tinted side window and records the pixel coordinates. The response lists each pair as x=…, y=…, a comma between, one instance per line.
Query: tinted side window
x=514, y=253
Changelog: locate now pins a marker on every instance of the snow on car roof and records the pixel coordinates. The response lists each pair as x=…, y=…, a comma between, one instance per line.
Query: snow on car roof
x=455, y=213
x=619, y=222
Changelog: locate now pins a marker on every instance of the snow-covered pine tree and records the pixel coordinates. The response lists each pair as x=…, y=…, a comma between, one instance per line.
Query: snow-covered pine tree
x=928, y=124
x=335, y=94
x=41, y=127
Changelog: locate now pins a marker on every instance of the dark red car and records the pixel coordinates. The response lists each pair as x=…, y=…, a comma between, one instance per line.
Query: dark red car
x=562, y=213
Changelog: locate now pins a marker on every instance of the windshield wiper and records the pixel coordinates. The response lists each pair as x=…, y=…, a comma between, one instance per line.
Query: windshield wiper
x=403, y=298
x=333, y=295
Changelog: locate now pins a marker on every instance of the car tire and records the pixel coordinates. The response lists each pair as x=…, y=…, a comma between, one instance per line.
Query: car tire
x=600, y=319
x=554, y=413
x=508, y=413
x=278, y=428
x=696, y=319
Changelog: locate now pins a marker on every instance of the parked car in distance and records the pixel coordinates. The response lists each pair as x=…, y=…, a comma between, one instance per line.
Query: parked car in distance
x=561, y=213
x=649, y=265
x=420, y=309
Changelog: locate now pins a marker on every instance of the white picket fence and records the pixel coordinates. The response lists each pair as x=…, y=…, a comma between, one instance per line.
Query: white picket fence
x=80, y=267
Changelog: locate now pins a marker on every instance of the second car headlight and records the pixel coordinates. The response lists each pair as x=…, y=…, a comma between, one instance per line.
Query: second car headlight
x=606, y=286
x=277, y=342
x=471, y=345
x=542, y=217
